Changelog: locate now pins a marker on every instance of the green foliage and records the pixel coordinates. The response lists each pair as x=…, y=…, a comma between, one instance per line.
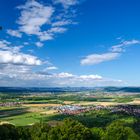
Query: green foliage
x=8, y=132
x=68, y=129
x=136, y=126
x=24, y=133
x=76, y=98
x=39, y=131
x=118, y=131
x=124, y=99
x=98, y=133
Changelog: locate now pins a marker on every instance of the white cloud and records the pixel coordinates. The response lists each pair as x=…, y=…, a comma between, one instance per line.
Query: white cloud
x=57, y=30
x=98, y=58
x=43, y=36
x=5, y=45
x=18, y=67
x=51, y=68
x=39, y=44
x=92, y=77
x=43, y=21
x=49, y=35
x=64, y=75
x=26, y=43
x=10, y=69
x=14, y=33
x=24, y=76
x=33, y=16
x=7, y=57
x=62, y=23
x=115, y=52
x=66, y=3
x=10, y=54
x=130, y=42
x=121, y=47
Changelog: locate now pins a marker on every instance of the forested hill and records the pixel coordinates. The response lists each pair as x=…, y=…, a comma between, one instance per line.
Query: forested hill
x=70, y=89
x=122, y=89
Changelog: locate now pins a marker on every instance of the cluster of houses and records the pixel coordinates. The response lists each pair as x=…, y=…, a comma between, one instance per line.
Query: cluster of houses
x=76, y=109
x=71, y=109
x=9, y=104
x=129, y=109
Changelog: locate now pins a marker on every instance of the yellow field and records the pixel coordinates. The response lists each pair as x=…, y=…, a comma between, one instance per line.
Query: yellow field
x=136, y=101
x=41, y=105
x=3, y=122
x=68, y=102
x=97, y=103
x=49, y=112
x=36, y=107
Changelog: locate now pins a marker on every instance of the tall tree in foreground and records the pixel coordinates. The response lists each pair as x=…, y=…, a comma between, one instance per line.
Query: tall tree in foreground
x=70, y=130
x=118, y=131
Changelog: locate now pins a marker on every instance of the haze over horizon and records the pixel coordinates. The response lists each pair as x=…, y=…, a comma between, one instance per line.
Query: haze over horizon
x=69, y=43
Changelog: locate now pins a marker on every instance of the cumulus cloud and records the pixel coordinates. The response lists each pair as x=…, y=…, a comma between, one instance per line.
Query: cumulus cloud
x=66, y=3
x=24, y=76
x=11, y=55
x=33, y=16
x=26, y=43
x=121, y=47
x=62, y=23
x=51, y=68
x=14, y=33
x=7, y=57
x=57, y=30
x=42, y=20
x=94, y=77
x=114, y=52
x=5, y=45
x=43, y=36
x=39, y=44
x=98, y=58
x=64, y=75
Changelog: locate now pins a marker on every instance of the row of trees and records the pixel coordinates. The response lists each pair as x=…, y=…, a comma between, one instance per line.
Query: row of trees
x=67, y=130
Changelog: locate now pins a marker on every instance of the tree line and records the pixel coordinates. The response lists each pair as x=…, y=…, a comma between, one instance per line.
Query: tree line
x=67, y=129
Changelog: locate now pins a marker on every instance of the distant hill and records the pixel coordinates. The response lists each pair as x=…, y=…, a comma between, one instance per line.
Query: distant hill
x=69, y=89
x=122, y=89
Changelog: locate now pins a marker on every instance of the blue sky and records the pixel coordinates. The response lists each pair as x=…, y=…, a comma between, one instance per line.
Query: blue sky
x=69, y=43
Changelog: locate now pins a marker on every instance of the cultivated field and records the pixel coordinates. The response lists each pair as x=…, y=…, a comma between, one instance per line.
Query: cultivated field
x=27, y=109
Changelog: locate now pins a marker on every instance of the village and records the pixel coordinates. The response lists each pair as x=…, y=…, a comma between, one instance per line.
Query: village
x=128, y=109
x=10, y=104
x=77, y=109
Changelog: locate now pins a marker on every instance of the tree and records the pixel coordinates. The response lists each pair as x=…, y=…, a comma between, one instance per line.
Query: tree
x=8, y=132
x=118, y=131
x=70, y=130
x=39, y=131
x=24, y=133
x=98, y=133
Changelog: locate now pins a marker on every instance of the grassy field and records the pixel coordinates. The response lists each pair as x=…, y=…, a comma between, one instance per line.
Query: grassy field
x=28, y=117
x=24, y=119
x=35, y=108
